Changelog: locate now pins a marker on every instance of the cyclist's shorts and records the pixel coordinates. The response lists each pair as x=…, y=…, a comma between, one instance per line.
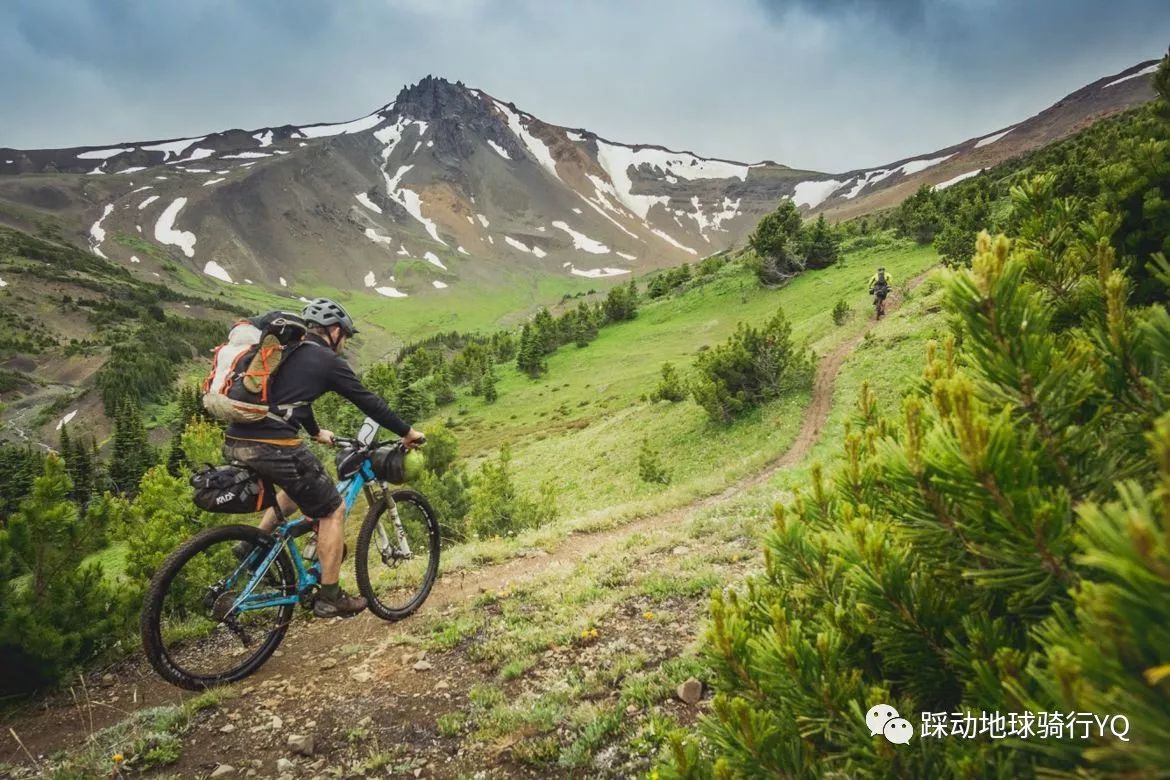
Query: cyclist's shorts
x=296, y=470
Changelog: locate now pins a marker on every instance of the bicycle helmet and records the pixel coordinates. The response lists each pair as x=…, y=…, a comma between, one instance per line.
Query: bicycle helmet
x=323, y=311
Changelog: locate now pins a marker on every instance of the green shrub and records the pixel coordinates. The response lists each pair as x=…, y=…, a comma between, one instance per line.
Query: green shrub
x=498, y=508
x=752, y=367
x=650, y=468
x=670, y=387
x=842, y=311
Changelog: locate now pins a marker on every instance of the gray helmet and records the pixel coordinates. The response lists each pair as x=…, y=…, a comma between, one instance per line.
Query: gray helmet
x=323, y=311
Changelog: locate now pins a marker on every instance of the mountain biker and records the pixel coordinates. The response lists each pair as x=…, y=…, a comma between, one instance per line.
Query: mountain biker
x=274, y=450
x=879, y=286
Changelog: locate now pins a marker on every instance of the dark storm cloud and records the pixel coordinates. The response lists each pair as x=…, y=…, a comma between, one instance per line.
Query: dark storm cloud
x=825, y=84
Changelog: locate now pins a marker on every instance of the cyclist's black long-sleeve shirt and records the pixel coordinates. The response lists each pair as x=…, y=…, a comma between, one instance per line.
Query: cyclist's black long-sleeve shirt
x=307, y=373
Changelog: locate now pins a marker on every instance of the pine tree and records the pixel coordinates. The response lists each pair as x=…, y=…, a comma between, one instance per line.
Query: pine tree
x=79, y=465
x=670, y=386
x=998, y=545
x=441, y=387
x=132, y=454
x=489, y=385
x=822, y=246
x=65, y=613
x=530, y=359
x=176, y=457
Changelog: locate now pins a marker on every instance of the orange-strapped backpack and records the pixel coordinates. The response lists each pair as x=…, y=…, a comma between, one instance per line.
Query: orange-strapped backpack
x=244, y=367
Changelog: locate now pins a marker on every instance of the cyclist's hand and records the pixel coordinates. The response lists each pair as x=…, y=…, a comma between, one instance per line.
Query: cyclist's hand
x=412, y=439
x=326, y=437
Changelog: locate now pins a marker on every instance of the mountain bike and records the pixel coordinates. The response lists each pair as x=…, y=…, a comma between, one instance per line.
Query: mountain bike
x=879, y=302
x=214, y=612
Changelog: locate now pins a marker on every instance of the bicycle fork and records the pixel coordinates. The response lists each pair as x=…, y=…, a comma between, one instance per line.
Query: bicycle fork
x=389, y=552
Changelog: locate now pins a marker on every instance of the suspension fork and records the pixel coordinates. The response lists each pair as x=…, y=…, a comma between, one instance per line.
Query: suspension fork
x=389, y=550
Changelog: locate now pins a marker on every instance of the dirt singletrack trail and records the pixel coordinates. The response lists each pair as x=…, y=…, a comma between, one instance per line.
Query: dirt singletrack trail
x=67, y=719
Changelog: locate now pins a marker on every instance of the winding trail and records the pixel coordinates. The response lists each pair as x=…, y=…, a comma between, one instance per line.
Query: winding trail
x=68, y=719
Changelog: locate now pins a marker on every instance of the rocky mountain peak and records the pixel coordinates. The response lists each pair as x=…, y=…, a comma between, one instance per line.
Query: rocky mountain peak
x=434, y=99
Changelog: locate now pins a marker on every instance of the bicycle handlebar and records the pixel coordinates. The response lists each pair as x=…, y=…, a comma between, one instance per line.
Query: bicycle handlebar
x=340, y=441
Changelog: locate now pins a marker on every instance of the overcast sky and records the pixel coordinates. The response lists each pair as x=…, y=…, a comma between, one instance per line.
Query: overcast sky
x=823, y=84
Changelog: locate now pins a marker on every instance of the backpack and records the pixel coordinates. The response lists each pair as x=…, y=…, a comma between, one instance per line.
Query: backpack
x=243, y=368
x=881, y=279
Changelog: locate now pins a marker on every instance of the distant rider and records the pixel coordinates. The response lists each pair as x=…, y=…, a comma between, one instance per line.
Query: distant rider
x=274, y=450
x=879, y=287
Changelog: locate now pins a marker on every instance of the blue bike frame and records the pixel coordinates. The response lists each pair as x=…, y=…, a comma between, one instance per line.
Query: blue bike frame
x=306, y=576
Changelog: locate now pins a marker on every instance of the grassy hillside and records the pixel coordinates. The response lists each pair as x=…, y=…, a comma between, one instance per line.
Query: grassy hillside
x=582, y=424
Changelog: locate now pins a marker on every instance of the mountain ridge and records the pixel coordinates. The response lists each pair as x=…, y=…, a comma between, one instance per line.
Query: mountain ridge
x=449, y=185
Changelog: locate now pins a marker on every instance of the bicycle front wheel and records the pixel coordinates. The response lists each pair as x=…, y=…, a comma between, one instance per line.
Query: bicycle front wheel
x=201, y=625
x=398, y=554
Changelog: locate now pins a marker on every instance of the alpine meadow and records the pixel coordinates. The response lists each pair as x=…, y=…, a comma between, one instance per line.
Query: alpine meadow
x=729, y=469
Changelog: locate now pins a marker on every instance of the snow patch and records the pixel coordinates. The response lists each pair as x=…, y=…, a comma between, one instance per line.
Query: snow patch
x=245, y=156
x=67, y=419
x=265, y=138
x=438, y=285
x=625, y=256
x=3, y=283
x=577, y=210
x=1143, y=72
x=134, y=259
x=175, y=148
x=617, y=160
x=364, y=199
x=283, y=283
x=729, y=209
x=499, y=149
x=409, y=200
x=102, y=154
x=134, y=169
x=668, y=239
x=536, y=147
x=371, y=279
x=482, y=219
x=524, y=248
x=216, y=270
x=356, y=126
x=209, y=182
x=165, y=233
x=582, y=241
x=403, y=251
x=813, y=193
x=461, y=250
x=140, y=189
x=96, y=230
x=434, y=260
x=147, y=202
x=942, y=185
x=200, y=154
x=993, y=138
x=138, y=228
x=377, y=238
x=390, y=292
x=596, y=273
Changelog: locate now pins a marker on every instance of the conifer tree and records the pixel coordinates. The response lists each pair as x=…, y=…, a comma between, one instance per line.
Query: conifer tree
x=176, y=457
x=530, y=359
x=489, y=385
x=997, y=544
x=65, y=613
x=441, y=387
x=821, y=246
x=132, y=454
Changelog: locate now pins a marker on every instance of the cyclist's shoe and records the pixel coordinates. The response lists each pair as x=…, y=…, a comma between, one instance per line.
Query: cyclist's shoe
x=343, y=605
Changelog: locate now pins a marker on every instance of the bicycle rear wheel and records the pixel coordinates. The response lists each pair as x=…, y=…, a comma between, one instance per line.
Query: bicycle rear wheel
x=191, y=632
x=398, y=555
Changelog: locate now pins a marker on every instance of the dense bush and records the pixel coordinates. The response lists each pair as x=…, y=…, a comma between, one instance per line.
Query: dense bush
x=1002, y=545
x=670, y=386
x=753, y=366
x=55, y=612
x=499, y=508
x=784, y=246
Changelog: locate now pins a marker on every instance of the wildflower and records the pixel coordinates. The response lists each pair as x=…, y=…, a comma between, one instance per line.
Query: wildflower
x=648, y=615
x=118, y=758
